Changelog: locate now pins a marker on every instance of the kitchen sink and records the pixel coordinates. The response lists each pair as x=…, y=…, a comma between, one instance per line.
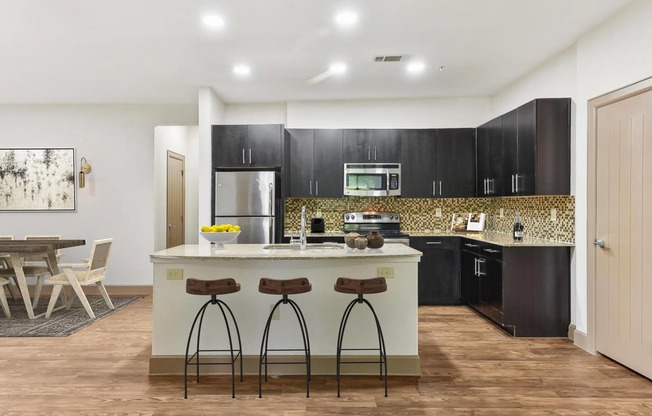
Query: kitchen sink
x=317, y=246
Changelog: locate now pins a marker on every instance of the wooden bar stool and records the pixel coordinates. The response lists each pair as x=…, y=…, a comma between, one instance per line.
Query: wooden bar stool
x=213, y=288
x=284, y=288
x=361, y=287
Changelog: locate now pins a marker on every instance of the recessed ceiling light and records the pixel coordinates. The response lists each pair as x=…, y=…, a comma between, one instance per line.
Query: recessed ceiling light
x=415, y=67
x=213, y=21
x=337, y=68
x=346, y=18
x=241, y=70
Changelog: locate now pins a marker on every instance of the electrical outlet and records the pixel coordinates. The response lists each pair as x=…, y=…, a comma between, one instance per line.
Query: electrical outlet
x=553, y=214
x=175, y=274
x=277, y=313
x=502, y=213
x=438, y=212
x=386, y=272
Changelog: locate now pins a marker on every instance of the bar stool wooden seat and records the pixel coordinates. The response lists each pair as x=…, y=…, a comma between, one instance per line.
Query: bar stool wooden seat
x=213, y=288
x=284, y=287
x=361, y=287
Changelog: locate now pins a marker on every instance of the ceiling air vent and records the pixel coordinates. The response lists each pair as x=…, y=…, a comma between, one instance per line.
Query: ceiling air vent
x=388, y=58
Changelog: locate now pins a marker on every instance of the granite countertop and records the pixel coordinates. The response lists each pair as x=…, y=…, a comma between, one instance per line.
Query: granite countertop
x=501, y=239
x=256, y=252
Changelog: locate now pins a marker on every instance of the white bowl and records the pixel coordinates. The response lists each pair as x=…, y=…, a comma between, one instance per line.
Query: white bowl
x=218, y=239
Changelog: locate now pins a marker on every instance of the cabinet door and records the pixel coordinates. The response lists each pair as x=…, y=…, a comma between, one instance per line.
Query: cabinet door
x=482, y=160
x=470, y=282
x=527, y=143
x=385, y=146
x=264, y=145
x=229, y=145
x=455, y=163
x=510, y=150
x=418, y=163
x=491, y=288
x=356, y=146
x=301, y=162
x=496, y=178
x=328, y=168
x=439, y=270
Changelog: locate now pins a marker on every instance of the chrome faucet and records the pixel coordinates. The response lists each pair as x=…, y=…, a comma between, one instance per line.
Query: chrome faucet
x=303, y=240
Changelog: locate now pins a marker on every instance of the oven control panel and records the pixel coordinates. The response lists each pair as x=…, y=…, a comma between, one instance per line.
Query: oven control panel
x=371, y=217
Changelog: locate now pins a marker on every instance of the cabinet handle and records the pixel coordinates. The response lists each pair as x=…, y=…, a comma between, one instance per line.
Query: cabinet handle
x=475, y=267
x=490, y=182
x=490, y=250
x=316, y=188
x=471, y=245
x=375, y=153
x=368, y=152
x=513, y=183
x=310, y=182
x=243, y=156
x=439, y=188
x=516, y=187
x=250, y=155
x=480, y=261
x=433, y=243
x=434, y=188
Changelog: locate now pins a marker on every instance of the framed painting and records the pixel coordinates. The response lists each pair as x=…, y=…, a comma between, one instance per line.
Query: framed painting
x=37, y=179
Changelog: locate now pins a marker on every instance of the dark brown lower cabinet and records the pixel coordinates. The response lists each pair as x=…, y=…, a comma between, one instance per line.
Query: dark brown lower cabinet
x=439, y=270
x=525, y=290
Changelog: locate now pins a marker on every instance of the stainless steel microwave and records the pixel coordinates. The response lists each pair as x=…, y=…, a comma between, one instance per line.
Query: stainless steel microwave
x=372, y=179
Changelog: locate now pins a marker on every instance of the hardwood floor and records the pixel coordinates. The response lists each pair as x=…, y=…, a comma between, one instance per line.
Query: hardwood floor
x=469, y=368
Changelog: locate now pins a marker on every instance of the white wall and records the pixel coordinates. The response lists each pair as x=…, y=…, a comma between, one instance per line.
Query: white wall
x=211, y=111
x=183, y=140
x=272, y=113
x=118, y=201
x=610, y=56
x=390, y=113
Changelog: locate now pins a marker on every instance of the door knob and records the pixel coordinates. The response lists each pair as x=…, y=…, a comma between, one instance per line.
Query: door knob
x=600, y=243
x=170, y=226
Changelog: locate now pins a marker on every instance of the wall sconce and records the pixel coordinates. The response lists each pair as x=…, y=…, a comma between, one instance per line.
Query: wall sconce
x=84, y=170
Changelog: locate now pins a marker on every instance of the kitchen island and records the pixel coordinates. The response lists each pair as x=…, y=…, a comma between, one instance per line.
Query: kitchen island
x=174, y=310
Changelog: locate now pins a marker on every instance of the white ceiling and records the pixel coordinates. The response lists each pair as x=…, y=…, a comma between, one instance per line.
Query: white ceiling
x=157, y=51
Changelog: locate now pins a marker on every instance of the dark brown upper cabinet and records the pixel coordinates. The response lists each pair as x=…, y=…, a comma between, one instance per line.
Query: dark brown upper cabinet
x=253, y=145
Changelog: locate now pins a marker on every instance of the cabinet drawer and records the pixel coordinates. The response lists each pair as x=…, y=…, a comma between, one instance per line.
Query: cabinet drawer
x=491, y=251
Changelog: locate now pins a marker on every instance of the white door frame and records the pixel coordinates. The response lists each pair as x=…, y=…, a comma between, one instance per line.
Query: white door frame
x=593, y=106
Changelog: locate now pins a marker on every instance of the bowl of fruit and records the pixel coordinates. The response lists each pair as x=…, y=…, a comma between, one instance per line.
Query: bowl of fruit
x=220, y=234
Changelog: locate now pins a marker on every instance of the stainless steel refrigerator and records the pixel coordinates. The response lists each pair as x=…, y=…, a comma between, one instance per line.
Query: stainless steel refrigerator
x=248, y=199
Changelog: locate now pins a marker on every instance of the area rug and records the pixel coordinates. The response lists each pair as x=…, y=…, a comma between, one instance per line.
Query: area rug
x=62, y=322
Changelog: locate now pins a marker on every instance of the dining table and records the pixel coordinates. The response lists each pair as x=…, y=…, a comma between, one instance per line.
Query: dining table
x=17, y=250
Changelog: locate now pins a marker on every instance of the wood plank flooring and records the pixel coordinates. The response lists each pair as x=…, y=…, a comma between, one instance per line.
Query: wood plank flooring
x=469, y=368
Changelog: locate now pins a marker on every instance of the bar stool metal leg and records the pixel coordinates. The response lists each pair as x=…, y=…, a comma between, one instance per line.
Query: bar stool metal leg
x=381, y=341
x=196, y=355
x=264, y=345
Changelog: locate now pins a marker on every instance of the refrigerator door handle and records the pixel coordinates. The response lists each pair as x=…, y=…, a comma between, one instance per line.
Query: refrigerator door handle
x=271, y=209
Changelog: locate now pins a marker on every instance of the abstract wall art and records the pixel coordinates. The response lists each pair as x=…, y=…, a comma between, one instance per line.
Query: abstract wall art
x=37, y=179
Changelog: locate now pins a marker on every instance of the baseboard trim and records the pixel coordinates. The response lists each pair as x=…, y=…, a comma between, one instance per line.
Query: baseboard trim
x=114, y=290
x=320, y=365
x=581, y=339
x=571, y=332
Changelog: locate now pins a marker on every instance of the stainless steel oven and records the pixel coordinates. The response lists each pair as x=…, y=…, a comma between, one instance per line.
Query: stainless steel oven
x=388, y=224
x=372, y=179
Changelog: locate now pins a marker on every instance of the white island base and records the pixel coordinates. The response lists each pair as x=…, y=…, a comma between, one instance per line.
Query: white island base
x=397, y=308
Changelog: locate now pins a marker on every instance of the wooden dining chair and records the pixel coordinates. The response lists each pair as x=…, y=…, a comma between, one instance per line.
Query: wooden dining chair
x=4, y=265
x=40, y=261
x=91, y=272
x=36, y=266
x=3, y=297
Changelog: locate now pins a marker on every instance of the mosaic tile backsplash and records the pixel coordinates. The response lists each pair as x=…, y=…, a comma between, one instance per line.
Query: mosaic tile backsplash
x=420, y=214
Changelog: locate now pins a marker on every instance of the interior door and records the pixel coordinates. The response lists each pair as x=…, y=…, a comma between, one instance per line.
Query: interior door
x=623, y=246
x=176, y=232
